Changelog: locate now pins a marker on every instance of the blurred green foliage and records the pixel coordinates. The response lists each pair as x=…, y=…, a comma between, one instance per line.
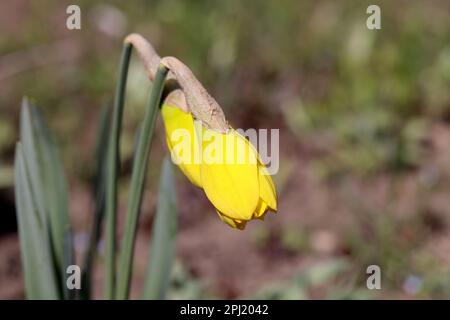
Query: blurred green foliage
x=362, y=100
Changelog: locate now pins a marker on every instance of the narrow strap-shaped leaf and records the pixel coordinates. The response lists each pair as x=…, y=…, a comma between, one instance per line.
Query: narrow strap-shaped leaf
x=113, y=163
x=31, y=158
x=99, y=187
x=48, y=186
x=162, y=250
x=40, y=280
x=137, y=183
x=55, y=195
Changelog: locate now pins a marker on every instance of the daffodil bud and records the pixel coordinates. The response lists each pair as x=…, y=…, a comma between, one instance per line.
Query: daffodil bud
x=235, y=180
x=225, y=165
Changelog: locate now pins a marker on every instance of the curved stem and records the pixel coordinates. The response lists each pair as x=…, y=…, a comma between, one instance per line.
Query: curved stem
x=149, y=58
x=150, y=61
x=111, y=175
x=137, y=183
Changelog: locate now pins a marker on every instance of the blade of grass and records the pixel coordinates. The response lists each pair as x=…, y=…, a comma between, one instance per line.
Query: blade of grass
x=164, y=230
x=39, y=273
x=111, y=176
x=137, y=183
x=99, y=195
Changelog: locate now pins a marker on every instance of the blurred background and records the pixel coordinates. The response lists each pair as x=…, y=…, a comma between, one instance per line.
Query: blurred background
x=364, y=119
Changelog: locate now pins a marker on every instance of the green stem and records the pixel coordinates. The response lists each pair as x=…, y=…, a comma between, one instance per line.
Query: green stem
x=98, y=191
x=111, y=175
x=137, y=183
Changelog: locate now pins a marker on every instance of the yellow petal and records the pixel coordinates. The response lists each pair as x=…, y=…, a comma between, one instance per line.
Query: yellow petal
x=237, y=224
x=266, y=188
x=229, y=173
x=182, y=143
x=261, y=210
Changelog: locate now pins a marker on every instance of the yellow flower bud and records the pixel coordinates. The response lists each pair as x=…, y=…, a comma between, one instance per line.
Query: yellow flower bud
x=217, y=158
x=225, y=165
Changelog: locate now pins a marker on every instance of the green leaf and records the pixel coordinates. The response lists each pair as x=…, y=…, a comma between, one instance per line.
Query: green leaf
x=99, y=190
x=48, y=186
x=39, y=273
x=140, y=162
x=55, y=193
x=28, y=140
x=113, y=162
x=162, y=249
